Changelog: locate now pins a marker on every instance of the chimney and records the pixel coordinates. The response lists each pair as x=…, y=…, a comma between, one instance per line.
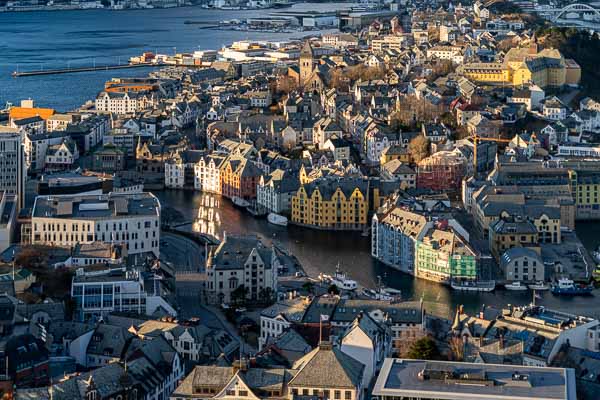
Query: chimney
x=240, y=365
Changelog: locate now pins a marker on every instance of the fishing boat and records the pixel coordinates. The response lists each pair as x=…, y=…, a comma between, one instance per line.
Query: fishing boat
x=473, y=286
x=340, y=280
x=277, y=219
x=540, y=285
x=566, y=287
x=515, y=286
x=239, y=202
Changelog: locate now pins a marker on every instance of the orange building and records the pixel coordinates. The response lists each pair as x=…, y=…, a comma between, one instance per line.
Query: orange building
x=239, y=177
x=17, y=113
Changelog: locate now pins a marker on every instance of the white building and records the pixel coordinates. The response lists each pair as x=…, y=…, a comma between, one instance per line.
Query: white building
x=97, y=294
x=241, y=262
x=450, y=53
x=554, y=109
x=180, y=169
x=130, y=219
x=260, y=99
x=124, y=103
x=207, y=175
x=36, y=146
x=369, y=342
x=8, y=216
x=276, y=319
x=61, y=156
x=12, y=163
x=274, y=192
x=570, y=149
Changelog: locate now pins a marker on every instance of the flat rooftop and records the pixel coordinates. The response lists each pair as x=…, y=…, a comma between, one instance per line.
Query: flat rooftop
x=94, y=207
x=460, y=381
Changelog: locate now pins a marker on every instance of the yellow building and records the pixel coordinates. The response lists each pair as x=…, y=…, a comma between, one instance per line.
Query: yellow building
x=521, y=66
x=332, y=203
x=585, y=188
x=394, y=152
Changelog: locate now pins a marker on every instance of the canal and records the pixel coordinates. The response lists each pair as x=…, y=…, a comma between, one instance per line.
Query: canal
x=321, y=251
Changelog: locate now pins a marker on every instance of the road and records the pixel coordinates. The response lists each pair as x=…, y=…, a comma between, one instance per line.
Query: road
x=189, y=300
x=185, y=254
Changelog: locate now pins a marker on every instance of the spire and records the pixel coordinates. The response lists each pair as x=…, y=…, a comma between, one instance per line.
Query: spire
x=456, y=323
x=307, y=50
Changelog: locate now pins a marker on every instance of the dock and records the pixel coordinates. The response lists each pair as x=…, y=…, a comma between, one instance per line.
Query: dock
x=55, y=71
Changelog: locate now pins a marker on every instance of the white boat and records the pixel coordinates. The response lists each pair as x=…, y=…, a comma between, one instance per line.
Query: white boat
x=515, y=286
x=340, y=280
x=277, y=219
x=238, y=201
x=540, y=285
x=391, y=291
x=473, y=286
x=379, y=294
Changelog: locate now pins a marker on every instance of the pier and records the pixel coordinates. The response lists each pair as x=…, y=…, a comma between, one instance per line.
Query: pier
x=55, y=71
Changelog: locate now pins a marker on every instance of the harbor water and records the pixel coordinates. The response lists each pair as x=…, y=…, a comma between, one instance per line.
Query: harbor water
x=322, y=251
x=62, y=39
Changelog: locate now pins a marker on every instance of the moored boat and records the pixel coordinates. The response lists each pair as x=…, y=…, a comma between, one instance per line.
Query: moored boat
x=340, y=280
x=277, y=219
x=239, y=202
x=566, y=287
x=515, y=286
x=540, y=285
x=473, y=286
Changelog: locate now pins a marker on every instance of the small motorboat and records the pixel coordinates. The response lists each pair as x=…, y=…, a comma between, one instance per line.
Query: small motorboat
x=539, y=286
x=473, y=286
x=515, y=286
x=239, y=202
x=277, y=219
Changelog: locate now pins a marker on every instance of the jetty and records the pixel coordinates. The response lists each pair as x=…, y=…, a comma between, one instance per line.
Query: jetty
x=55, y=71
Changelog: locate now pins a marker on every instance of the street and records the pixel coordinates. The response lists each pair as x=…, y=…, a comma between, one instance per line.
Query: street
x=185, y=254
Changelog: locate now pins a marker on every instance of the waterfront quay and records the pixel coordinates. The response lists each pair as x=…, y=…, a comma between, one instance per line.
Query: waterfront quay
x=51, y=71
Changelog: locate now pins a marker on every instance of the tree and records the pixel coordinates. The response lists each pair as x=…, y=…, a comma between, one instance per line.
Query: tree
x=441, y=68
x=424, y=349
x=33, y=257
x=338, y=80
x=457, y=348
x=308, y=286
x=332, y=289
x=286, y=84
x=266, y=295
x=239, y=294
x=418, y=148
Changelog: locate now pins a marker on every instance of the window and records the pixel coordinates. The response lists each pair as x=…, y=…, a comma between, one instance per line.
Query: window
x=348, y=395
x=337, y=394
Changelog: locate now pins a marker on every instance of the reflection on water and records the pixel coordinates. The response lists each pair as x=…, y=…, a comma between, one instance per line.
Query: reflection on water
x=321, y=251
x=208, y=219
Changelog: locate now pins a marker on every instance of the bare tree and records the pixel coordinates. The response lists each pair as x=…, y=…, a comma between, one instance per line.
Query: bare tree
x=457, y=348
x=418, y=148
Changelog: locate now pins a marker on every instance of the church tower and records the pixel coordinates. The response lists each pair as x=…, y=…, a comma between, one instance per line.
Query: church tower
x=306, y=63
